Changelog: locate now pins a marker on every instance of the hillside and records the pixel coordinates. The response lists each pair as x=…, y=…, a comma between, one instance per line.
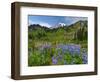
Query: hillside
x=57, y=45
x=76, y=31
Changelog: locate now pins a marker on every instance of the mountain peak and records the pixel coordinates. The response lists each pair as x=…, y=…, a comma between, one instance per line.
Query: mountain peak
x=61, y=24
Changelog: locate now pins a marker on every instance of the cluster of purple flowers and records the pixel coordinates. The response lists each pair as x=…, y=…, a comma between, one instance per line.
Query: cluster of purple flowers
x=45, y=46
x=84, y=56
x=61, y=50
x=72, y=48
x=54, y=60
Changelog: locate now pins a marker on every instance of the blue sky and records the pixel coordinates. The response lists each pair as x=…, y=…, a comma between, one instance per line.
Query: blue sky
x=51, y=21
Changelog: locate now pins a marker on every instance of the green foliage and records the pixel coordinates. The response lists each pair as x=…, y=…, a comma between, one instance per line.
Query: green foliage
x=37, y=58
x=39, y=35
x=81, y=33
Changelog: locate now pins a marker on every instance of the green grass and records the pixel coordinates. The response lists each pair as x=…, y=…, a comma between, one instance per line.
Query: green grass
x=40, y=36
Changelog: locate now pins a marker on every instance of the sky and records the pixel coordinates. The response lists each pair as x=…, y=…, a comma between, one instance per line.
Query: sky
x=51, y=21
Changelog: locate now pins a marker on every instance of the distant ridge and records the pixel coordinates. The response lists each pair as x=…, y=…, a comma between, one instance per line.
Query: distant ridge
x=80, y=23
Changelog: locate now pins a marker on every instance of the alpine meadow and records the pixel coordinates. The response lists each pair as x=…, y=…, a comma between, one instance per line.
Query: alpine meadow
x=57, y=40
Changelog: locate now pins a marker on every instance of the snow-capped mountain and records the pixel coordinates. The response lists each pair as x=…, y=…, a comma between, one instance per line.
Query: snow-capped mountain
x=59, y=25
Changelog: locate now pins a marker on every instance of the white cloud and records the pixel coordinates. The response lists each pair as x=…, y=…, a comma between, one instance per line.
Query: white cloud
x=62, y=24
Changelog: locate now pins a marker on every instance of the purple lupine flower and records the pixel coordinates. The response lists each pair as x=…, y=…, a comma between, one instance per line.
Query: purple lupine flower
x=84, y=58
x=74, y=49
x=54, y=60
x=45, y=46
x=60, y=56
